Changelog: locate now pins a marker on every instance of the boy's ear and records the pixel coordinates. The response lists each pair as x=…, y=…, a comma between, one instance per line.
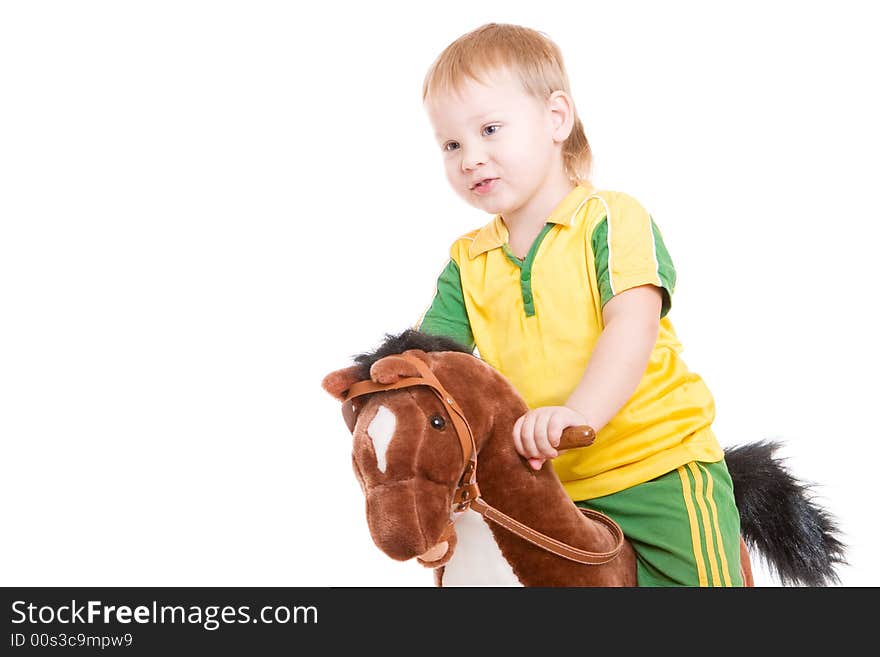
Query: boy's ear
x=562, y=109
x=337, y=383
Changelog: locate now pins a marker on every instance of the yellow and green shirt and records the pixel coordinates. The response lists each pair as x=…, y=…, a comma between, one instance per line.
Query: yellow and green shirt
x=536, y=321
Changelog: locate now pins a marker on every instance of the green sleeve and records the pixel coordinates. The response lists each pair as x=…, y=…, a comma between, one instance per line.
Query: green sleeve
x=447, y=314
x=665, y=268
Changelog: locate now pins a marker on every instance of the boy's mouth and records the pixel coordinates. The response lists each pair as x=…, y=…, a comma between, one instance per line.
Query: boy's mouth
x=484, y=186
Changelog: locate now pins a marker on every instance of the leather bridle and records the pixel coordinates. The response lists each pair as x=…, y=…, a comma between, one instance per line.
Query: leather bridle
x=467, y=493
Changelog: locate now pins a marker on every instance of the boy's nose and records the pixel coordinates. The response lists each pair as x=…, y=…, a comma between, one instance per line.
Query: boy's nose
x=472, y=159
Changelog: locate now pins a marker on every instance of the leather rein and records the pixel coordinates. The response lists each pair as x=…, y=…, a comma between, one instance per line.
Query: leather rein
x=467, y=493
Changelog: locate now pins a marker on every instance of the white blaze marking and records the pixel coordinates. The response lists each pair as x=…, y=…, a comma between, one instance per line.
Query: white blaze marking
x=477, y=560
x=381, y=431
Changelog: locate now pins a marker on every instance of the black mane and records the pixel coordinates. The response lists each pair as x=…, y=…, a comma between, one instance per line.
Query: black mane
x=409, y=339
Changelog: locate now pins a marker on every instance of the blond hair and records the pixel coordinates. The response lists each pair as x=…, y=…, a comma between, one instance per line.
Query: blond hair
x=530, y=55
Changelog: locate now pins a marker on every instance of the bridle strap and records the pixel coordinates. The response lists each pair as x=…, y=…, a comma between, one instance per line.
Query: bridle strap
x=551, y=544
x=467, y=494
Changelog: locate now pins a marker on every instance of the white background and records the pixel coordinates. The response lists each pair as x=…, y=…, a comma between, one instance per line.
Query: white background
x=208, y=206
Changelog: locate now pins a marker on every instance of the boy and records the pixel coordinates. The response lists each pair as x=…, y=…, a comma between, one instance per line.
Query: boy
x=567, y=293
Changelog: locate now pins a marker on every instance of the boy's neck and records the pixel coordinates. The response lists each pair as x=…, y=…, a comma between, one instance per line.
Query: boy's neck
x=529, y=218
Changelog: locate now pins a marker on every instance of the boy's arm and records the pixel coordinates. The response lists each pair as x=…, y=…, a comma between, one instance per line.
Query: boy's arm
x=616, y=365
x=619, y=359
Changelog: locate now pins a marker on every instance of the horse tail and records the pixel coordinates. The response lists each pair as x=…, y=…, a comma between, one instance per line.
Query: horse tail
x=778, y=518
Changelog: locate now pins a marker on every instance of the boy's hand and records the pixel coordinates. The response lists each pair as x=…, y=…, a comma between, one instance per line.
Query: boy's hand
x=536, y=434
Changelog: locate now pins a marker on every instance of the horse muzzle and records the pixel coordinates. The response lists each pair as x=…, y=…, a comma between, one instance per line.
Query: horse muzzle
x=407, y=518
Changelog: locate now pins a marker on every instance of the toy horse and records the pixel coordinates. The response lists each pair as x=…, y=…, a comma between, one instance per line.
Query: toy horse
x=433, y=453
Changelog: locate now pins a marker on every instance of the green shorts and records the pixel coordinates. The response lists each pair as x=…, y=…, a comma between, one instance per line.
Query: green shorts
x=684, y=526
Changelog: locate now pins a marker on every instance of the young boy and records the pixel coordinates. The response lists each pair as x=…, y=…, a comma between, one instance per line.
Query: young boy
x=566, y=291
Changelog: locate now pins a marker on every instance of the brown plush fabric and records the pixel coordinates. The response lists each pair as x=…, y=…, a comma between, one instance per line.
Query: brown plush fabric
x=408, y=505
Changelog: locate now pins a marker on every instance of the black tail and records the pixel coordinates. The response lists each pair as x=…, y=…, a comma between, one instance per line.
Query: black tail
x=797, y=538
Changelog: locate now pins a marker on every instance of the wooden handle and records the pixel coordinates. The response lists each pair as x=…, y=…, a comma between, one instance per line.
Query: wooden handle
x=579, y=436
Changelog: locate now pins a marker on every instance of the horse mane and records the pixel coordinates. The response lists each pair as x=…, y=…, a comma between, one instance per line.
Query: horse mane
x=409, y=339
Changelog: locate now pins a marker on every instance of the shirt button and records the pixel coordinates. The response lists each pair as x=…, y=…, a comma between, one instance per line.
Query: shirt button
x=526, y=275
x=527, y=298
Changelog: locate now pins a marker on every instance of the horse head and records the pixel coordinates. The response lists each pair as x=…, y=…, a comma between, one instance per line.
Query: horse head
x=407, y=454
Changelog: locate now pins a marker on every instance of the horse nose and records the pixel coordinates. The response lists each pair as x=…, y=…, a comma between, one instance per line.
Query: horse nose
x=403, y=516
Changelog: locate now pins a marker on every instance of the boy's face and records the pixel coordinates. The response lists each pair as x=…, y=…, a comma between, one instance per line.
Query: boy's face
x=498, y=132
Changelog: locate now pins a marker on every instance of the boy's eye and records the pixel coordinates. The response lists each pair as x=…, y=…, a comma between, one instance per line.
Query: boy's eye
x=489, y=131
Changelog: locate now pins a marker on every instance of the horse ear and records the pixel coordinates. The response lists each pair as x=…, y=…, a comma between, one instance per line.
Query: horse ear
x=418, y=353
x=337, y=383
x=392, y=368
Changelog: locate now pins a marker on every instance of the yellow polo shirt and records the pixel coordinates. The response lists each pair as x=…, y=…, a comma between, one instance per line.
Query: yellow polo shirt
x=536, y=321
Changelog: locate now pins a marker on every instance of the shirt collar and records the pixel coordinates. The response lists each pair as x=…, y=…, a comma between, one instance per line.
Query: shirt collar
x=494, y=234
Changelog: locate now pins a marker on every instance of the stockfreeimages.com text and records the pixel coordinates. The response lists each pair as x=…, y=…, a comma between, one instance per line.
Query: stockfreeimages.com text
x=209, y=616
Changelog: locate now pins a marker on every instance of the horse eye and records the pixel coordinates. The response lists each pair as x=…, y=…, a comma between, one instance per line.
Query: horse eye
x=437, y=422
